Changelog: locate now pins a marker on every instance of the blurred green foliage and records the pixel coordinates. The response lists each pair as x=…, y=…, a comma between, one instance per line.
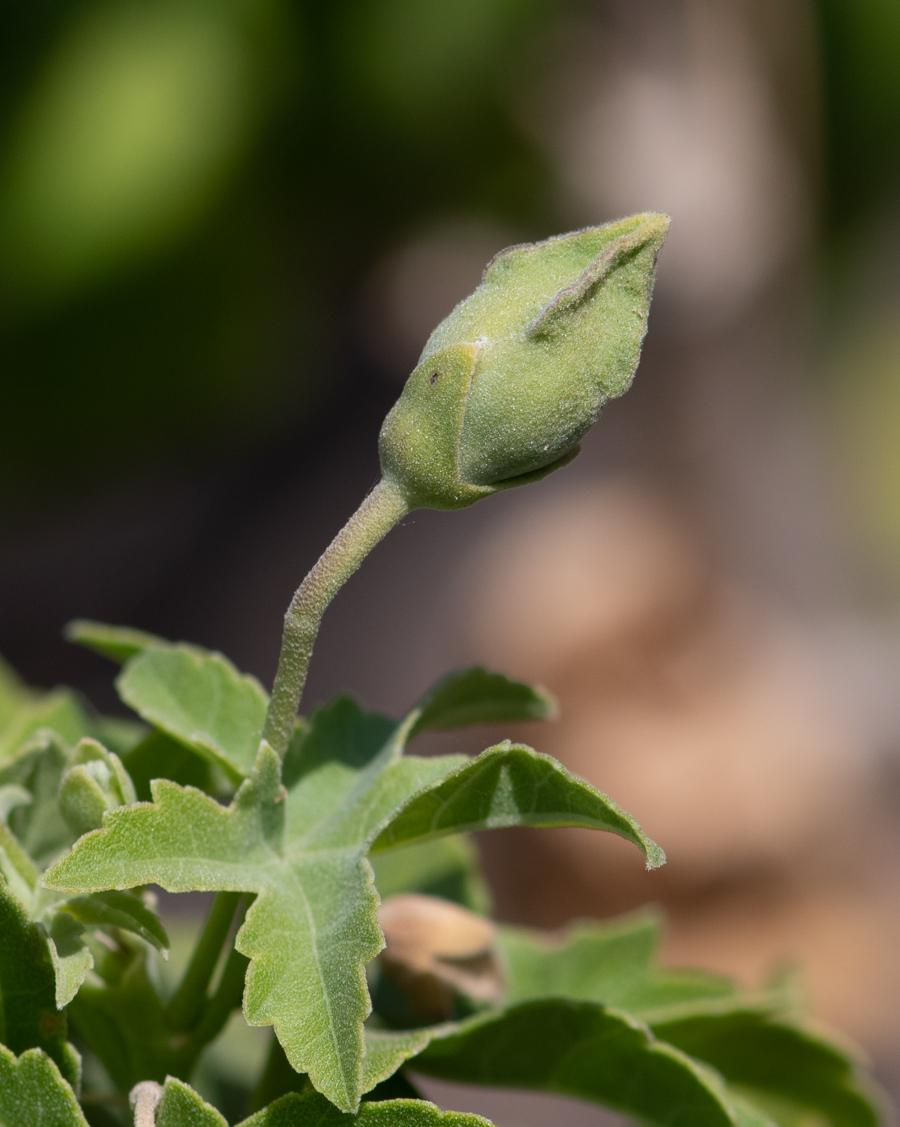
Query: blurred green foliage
x=191, y=192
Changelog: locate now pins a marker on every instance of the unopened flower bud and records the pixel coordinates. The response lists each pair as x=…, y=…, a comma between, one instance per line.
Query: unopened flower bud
x=95, y=782
x=510, y=382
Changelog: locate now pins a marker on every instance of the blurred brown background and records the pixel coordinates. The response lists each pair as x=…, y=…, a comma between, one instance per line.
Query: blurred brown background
x=227, y=228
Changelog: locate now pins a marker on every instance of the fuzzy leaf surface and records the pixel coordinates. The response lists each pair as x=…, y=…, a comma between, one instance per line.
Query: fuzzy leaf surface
x=33, y=1093
x=476, y=696
x=200, y=700
x=313, y=925
x=181, y=1106
x=757, y=1051
x=511, y=785
x=311, y=1110
x=587, y=1051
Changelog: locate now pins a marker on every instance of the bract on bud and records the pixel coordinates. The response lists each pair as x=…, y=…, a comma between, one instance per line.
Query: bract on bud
x=510, y=382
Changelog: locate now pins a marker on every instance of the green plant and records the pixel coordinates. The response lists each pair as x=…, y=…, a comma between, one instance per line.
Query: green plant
x=297, y=824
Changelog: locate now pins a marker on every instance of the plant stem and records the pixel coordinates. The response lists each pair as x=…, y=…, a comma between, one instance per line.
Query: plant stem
x=384, y=507
x=189, y=999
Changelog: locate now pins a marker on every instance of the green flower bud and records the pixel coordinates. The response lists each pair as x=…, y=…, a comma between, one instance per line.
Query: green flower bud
x=510, y=382
x=95, y=782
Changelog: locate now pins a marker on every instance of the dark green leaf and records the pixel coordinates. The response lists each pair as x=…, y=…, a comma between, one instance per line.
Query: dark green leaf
x=447, y=867
x=475, y=696
x=312, y=1110
x=757, y=1051
x=118, y=643
x=158, y=756
x=124, y=1023
x=33, y=1093
x=511, y=785
x=199, y=699
x=583, y=1050
x=28, y=1015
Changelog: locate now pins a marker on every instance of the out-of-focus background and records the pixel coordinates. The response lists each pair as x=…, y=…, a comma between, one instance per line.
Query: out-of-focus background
x=226, y=230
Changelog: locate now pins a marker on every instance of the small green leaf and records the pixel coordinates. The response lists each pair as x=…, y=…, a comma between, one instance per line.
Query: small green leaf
x=117, y=909
x=199, y=699
x=70, y=955
x=755, y=1050
x=181, y=1106
x=511, y=785
x=312, y=1110
x=118, y=643
x=33, y=1093
x=611, y=962
x=94, y=782
x=475, y=696
x=28, y=1014
x=583, y=1050
x=448, y=867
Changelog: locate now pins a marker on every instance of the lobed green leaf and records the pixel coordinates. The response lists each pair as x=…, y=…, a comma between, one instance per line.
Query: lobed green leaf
x=200, y=700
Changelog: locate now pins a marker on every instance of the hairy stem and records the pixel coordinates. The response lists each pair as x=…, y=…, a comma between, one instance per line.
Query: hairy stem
x=189, y=999
x=372, y=521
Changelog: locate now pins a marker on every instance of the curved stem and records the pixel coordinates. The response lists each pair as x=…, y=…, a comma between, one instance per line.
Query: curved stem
x=384, y=507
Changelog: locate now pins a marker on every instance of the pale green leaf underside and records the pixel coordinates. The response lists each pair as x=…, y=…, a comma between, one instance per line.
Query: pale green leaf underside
x=312, y=927
x=34, y=1094
x=311, y=1110
x=199, y=699
x=511, y=785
